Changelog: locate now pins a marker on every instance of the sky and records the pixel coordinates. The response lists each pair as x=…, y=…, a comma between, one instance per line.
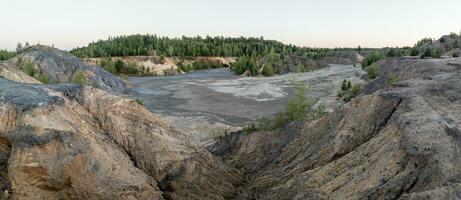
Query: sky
x=314, y=23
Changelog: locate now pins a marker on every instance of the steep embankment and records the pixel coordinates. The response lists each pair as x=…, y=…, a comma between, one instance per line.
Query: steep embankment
x=399, y=140
x=160, y=66
x=65, y=141
x=52, y=65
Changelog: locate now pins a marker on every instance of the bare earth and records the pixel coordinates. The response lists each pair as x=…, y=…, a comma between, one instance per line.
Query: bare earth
x=204, y=104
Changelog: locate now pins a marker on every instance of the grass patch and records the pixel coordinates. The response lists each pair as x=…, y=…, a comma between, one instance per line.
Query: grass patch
x=42, y=78
x=392, y=79
x=372, y=71
x=372, y=58
x=80, y=77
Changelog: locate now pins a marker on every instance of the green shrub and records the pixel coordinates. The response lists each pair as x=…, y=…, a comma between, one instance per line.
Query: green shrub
x=243, y=64
x=437, y=53
x=265, y=124
x=414, y=52
x=19, y=62
x=392, y=79
x=268, y=70
x=108, y=65
x=80, y=77
x=350, y=93
x=356, y=89
x=320, y=111
x=344, y=85
x=250, y=128
x=427, y=53
x=372, y=71
x=29, y=68
x=139, y=101
x=300, y=68
x=5, y=54
x=42, y=78
x=372, y=58
x=184, y=67
x=131, y=68
x=298, y=108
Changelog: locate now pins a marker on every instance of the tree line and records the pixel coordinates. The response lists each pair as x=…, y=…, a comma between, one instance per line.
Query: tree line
x=143, y=45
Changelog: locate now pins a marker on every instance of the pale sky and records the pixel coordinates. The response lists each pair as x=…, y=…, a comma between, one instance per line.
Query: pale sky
x=315, y=23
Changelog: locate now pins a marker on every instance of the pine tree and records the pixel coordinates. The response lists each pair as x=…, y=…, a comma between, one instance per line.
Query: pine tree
x=344, y=85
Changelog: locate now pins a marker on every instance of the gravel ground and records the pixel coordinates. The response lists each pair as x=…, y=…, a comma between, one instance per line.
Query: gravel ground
x=206, y=103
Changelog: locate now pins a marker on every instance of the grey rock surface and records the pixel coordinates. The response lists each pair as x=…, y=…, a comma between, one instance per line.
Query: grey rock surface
x=61, y=67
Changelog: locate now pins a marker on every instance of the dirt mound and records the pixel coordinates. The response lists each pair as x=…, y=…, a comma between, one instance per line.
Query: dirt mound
x=50, y=65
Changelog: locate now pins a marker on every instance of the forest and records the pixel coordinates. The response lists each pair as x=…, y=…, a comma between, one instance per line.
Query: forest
x=249, y=51
x=143, y=45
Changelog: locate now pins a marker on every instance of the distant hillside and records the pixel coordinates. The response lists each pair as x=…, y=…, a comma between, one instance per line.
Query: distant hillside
x=447, y=45
x=279, y=63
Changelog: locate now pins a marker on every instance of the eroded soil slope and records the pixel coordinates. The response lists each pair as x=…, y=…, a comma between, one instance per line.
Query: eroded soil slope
x=399, y=140
x=68, y=142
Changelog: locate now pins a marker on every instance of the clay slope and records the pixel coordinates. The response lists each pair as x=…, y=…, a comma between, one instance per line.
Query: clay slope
x=399, y=140
x=14, y=74
x=68, y=142
x=57, y=66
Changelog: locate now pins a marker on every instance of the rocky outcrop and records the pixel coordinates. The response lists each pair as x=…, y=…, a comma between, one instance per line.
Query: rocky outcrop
x=68, y=142
x=57, y=151
x=57, y=66
x=396, y=141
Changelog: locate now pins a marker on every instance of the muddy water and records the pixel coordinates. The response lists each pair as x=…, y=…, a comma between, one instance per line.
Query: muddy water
x=205, y=103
